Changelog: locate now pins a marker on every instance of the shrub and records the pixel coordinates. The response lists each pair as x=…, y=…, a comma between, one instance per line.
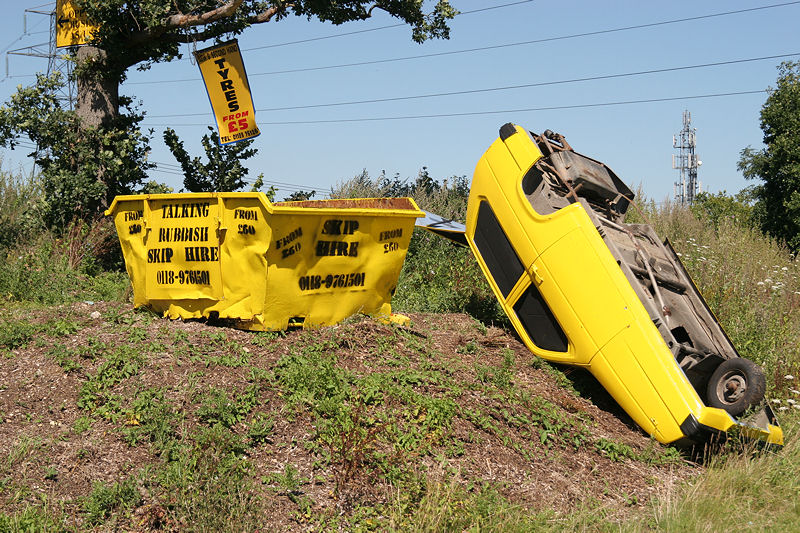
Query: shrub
x=21, y=208
x=438, y=276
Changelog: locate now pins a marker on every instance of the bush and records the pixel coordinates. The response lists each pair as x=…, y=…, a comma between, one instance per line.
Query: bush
x=41, y=272
x=442, y=277
x=438, y=276
x=21, y=209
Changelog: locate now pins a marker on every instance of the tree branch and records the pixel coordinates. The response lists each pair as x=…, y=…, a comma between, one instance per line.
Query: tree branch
x=266, y=15
x=181, y=20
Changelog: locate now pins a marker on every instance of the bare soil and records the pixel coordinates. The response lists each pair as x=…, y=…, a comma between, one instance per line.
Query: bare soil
x=47, y=454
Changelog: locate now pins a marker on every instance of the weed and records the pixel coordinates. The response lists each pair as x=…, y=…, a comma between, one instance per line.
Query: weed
x=219, y=350
x=35, y=518
x=16, y=333
x=81, y=424
x=60, y=327
x=449, y=506
x=21, y=450
x=616, y=451
x=151, y=418
x=501, y=376
x=260, y=429
x=137, y=335
x=470, y=347
x=207, y=481
x=105, y=499
x=350, y=437
x=65, y=357
x=217, y=408
x=95, y=394
x=289, y=481
x=265, y=339
x=51, y=473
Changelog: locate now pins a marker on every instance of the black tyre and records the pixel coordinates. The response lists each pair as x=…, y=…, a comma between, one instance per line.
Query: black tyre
x=735, y=385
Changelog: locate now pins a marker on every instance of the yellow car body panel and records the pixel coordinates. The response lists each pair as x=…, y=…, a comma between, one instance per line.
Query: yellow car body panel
x=606, y=328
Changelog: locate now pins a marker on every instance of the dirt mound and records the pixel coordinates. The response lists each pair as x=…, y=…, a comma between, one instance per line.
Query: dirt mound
x=122, y=420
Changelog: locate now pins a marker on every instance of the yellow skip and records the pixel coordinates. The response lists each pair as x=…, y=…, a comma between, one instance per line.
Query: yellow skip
x=262, y=265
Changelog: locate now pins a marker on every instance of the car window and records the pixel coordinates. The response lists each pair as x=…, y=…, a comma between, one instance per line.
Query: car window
x=506, y=268
x=496, y=250
x=539, y=322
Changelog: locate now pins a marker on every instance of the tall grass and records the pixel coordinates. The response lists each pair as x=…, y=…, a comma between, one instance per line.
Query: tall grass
x=751, y=283
x=49, y=267
x=438, y=276
x=742, y=491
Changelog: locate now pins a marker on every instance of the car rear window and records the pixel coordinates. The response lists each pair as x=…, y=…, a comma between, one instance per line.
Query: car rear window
x=537, y=319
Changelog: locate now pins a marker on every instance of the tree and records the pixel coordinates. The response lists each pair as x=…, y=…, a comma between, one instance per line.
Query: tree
x=714, y=208
x=96, y=152
x=143, y=32
x=777, y=207
x=82, y=169
x=224, y=171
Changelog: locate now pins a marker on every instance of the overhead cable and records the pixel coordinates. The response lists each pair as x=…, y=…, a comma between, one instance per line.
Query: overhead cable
x=496, y=112
x=484, y=48
x=505, y=87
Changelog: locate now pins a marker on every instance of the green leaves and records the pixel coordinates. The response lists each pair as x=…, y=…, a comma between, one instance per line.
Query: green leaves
x=778, y=165
x=82, y=169
x=224, y=171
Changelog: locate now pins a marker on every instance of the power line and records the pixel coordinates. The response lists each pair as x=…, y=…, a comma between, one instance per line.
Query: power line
x=367, y=30
x=506, y=87
x=497, y=112
x=490, y=47
x=167, y=168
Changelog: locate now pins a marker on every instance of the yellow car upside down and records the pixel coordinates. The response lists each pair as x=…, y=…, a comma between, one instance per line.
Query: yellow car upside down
x=582, y=287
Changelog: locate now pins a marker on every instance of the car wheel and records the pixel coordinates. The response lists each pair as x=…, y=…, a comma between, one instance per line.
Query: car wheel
x=735, y=385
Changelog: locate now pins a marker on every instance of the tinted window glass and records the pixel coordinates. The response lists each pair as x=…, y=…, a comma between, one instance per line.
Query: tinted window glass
x=496, y=250
x=539, y=322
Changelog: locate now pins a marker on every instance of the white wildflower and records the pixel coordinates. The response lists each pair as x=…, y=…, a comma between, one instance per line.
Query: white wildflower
x=784, y=268
x=788, y=377
x=794, y=391
x=760, y=283
x=790, y=401
x=783, y=408
x=776, y=401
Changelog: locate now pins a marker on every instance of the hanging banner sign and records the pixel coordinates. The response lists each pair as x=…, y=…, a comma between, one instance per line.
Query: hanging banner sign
x=223, y=72
x=72, y=26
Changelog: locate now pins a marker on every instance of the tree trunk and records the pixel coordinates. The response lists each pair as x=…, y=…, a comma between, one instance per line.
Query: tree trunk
x=98, y=94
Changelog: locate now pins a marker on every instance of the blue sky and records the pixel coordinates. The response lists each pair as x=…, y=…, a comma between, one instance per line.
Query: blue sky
x=318, y=146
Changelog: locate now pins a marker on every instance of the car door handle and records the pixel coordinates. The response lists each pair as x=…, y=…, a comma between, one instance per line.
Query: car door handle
x=533, y=272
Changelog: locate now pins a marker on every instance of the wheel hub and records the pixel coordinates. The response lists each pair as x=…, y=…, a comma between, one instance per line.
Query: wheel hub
x=733, y=387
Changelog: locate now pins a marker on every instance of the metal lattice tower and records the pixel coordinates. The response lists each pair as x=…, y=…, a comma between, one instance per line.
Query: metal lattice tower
x=686, y=161
x=56, y=61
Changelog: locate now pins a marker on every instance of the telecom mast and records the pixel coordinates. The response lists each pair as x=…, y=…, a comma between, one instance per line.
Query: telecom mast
x=686, y=161
x=56, y=61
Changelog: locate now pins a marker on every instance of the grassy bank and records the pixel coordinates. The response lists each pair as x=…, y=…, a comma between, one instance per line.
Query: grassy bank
x=112, y=419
